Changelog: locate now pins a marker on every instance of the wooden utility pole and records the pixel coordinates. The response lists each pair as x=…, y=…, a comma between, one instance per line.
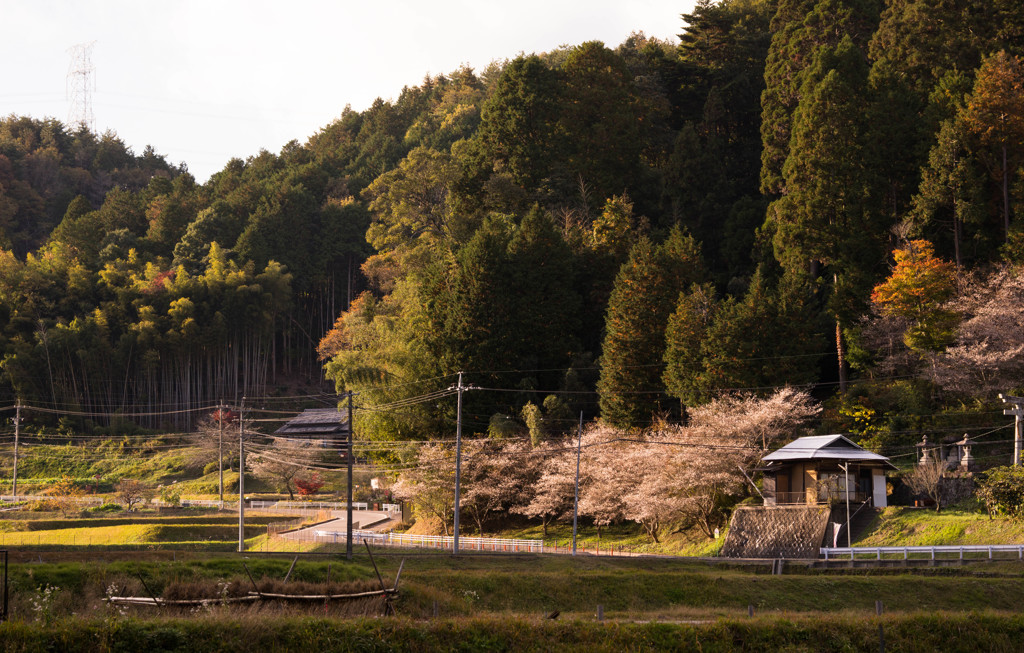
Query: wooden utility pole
x=1018, y=425
x=241, y=477
x=576, y=499
x=348, y=504
x=17, y=432
x=220, y=450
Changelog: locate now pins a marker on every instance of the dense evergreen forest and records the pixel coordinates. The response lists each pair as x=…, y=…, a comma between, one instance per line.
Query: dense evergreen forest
x=625, y=232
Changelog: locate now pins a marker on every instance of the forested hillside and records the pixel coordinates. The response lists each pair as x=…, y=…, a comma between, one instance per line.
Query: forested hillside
x=626, y=231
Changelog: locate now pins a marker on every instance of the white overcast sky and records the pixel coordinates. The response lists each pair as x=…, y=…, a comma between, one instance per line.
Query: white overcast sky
x=203, y=81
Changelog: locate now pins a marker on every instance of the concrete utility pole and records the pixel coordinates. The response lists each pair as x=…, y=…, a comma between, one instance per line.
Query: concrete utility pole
x=458, y=458
x=846, y=486
x=458, y=465
x=220, y=451
x=576, y=499
x=241, y=477
x=1018, y=426
x=348, y=505
x=17, y=431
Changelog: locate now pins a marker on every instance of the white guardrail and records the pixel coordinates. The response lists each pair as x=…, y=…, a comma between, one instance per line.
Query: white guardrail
x=283, y=505
x=990, y=551
x=322, y=505
x=436, y=541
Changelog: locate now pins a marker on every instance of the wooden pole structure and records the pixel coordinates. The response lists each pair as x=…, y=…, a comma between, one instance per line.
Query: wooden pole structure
x=1018, y=425
x=17, y=432
x=348, y=505
x=241, y=477
x=846, y=491
x=458, y=467
x=220, y=451
x=576, y=500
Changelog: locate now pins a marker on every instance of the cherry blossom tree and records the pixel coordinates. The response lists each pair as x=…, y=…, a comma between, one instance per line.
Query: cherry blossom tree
x=987, y=355
x=495, y=476
x=607, y=476
x=430, y=483
x=689, y=475
x=553, y=490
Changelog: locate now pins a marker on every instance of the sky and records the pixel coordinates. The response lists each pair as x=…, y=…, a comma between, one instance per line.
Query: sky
x=204, y=81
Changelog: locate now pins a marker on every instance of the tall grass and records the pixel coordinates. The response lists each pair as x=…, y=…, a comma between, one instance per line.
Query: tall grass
x=259, y=631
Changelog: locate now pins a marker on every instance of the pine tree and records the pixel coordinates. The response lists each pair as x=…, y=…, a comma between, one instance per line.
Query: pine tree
x=826, y=216
x=645, y=294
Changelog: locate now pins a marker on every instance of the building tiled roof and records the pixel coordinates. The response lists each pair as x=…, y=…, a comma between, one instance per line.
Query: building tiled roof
x=824, y=447
x=317, y=422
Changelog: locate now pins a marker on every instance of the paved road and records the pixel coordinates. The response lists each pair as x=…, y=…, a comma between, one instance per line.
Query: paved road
x=364, y=520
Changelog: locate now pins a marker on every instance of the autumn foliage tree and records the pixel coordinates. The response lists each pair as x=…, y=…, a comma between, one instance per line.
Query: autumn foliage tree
x=917, y=290
x=996, y=115
x=307, y=487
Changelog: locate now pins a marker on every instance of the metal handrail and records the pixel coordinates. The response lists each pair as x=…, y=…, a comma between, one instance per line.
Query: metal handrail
x=800, y=498
x=436, y=541
x=930, y=551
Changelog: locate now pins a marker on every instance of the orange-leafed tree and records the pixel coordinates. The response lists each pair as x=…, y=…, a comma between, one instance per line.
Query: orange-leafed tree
x=995, y=114
x=917, y=291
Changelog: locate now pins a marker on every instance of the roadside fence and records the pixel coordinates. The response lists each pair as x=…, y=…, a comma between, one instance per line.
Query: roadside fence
x=966, y=552
x=493, y=544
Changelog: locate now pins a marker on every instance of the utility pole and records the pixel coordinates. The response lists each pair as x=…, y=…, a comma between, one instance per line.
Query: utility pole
x=241, y=477
x=458, y=466
x=1018, y=425
x=17, y=431
x=576, y=500
x=846, y=491
x=348, y=505
x=220, y=450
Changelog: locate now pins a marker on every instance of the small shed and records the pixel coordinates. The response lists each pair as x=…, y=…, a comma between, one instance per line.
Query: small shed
x=327, y=425
x=824, y=469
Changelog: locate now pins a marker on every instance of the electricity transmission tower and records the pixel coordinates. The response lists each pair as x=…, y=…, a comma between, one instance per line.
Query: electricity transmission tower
x=79, y=85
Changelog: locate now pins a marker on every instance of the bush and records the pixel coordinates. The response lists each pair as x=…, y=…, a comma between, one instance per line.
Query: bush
x=1002, y=490
x=105, y=508
x=210, y=468
x=170, y=495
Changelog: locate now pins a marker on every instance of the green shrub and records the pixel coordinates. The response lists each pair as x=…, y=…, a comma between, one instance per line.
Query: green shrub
x=105, y=508
x=170, y=495
x=210, y=468
x=1002, y=490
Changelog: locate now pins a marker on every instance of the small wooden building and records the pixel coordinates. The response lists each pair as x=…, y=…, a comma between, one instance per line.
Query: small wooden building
x=824, y=469
x=327, y=425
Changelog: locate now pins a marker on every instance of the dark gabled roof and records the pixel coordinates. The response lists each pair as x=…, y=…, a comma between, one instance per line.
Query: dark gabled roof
x=825, y=447
x=316, y=422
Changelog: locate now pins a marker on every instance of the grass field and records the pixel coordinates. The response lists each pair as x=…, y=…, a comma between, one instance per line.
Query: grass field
x=206, y=530
x=918, y=633
x=924, y=527
x=501, y=603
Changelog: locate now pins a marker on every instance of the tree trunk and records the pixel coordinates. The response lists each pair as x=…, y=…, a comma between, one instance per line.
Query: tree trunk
x=1006, y=196
x=841, y=357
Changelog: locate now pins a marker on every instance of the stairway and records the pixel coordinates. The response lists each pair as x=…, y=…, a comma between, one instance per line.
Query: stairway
x=861, y=517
